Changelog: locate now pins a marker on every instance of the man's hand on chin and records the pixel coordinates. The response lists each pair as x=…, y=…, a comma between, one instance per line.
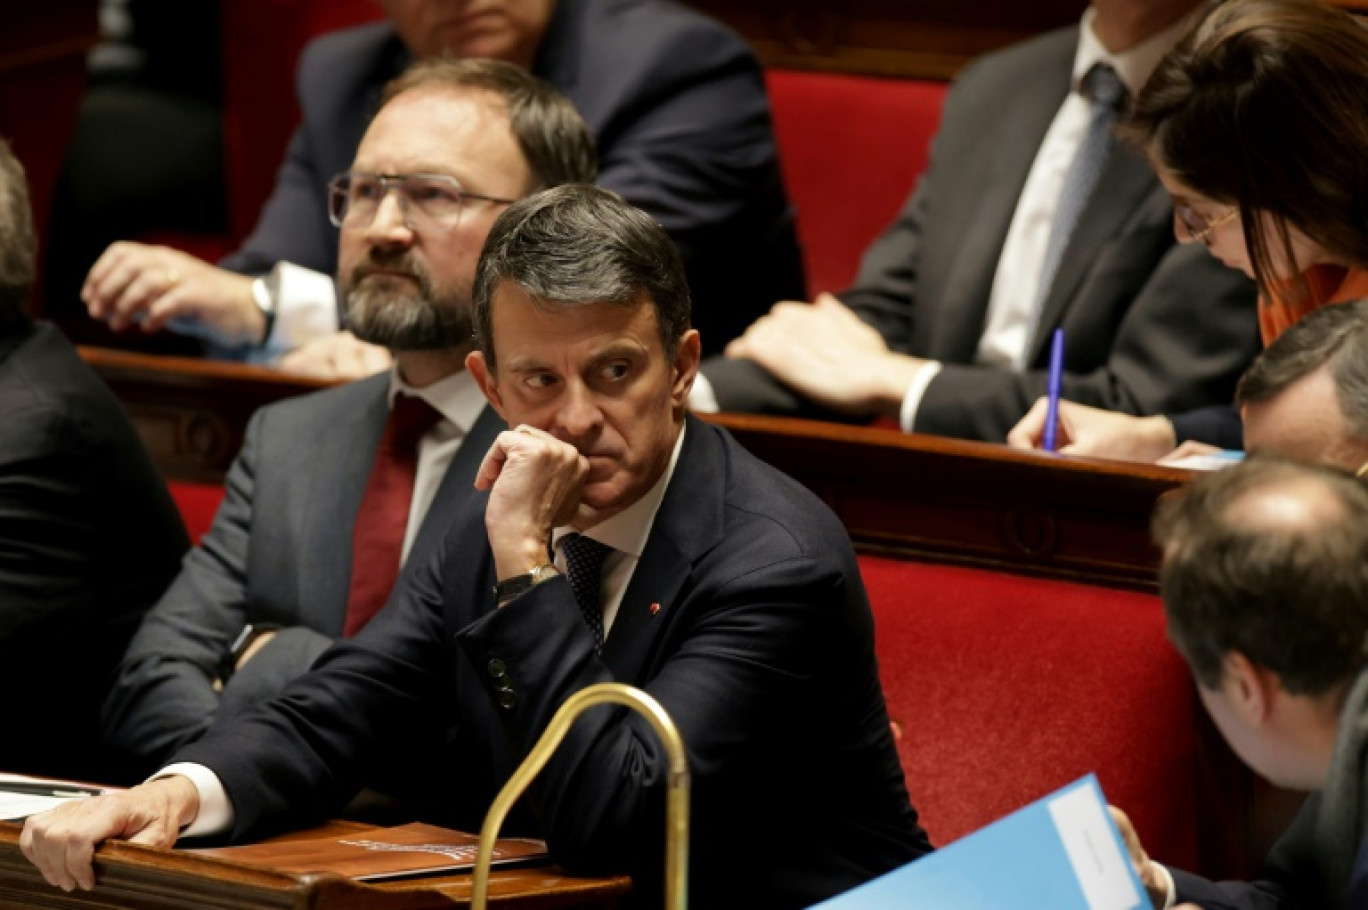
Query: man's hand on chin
x=62, y=842
x=535, y=483
x=829, y=355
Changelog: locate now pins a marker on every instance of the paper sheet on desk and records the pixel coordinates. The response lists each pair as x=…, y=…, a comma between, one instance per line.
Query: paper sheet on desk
x=14, y=806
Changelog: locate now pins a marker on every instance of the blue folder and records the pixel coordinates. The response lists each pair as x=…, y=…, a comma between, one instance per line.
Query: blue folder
x=1059, y=853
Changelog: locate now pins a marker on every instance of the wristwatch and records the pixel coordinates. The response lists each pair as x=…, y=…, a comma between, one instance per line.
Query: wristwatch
x=266, y=295
x=250, y=633
x=510, y=588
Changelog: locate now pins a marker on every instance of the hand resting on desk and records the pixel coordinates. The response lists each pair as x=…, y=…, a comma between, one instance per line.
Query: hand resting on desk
x=62, y=842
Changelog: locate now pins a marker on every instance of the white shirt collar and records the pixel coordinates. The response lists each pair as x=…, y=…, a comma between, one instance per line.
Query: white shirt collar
x=457, y=397
x=628, y=530
x=1133, y=66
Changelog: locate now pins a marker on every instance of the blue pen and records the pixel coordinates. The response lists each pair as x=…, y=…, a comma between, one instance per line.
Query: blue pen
x=1052, y=389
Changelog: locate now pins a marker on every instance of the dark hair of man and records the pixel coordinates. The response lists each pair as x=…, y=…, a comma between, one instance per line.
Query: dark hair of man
x=18, y=243
x=1335, y=337
x=1292, y=597
x=550, y=133
x=1264, y=106
x=580, y=244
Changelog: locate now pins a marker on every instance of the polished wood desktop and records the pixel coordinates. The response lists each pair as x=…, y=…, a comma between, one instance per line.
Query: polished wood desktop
x=148, y=878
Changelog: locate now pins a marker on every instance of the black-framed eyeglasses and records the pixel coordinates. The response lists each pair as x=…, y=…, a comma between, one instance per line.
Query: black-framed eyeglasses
x=1199, y=227
x=434, y=199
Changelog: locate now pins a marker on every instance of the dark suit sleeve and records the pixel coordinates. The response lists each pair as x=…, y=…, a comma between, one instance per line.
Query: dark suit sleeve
x=1229, y=895
x=47, y=524
x=1219, y=425
x=1161, y=357
x=163, y=696
x=371, y=702
x=293, y=226
x=601, y=797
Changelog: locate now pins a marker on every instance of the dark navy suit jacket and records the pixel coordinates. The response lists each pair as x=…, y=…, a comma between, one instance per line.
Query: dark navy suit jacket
x=746, y=618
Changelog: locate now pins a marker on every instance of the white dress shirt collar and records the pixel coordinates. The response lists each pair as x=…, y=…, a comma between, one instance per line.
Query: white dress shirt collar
x=1133, y=66
x=457, y=397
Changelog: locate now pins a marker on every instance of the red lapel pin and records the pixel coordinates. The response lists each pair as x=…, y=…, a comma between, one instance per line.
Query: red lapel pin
x=655, y=608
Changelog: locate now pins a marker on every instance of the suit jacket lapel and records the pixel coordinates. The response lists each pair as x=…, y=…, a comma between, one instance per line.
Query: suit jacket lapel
x=340, y=469
x=1023, y=122
x=688, y=523
x=1125, y=184
x=457, y=484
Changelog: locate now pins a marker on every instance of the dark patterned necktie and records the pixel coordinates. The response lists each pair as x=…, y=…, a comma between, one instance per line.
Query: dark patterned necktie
x=584, y=564
x=1106, y=95
x=378, y=535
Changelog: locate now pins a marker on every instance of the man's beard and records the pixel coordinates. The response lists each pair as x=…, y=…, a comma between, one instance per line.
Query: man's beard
x=404, y=315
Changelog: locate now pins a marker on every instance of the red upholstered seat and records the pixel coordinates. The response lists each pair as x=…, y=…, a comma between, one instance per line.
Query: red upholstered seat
x=198, y=503
x=851, y=148
x=1007, y=688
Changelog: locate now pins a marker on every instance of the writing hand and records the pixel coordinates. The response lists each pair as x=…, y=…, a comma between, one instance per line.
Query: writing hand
x=1085, y=430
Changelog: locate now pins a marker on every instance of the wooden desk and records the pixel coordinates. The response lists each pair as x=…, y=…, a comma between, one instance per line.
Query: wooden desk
x=149, y=878
x=970, y=503
x=921, y=497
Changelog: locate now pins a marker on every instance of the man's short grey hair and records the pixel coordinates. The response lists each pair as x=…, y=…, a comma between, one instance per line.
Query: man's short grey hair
x=18, y=241
x=580, y=244
x=1335, y=337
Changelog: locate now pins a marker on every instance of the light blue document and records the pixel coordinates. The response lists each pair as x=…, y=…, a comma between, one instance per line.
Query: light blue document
x=1059, y=853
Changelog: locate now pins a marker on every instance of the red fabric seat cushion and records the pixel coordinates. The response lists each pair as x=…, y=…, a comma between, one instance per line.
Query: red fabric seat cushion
x=198, y=504
x=1007, y=688
x=851, y=148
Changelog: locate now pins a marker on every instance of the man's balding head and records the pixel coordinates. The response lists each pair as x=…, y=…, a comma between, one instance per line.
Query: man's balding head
x=1269, y=559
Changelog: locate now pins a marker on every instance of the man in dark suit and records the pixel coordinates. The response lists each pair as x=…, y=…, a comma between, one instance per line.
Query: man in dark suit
x=616, y=540
x=1266, y=596
x=89, y=537
x=1011, y=233
x=286, y=568
x=675, y=100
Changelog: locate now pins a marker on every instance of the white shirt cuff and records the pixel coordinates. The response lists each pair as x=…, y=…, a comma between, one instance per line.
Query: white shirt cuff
x=215, y=814
x=907, y=414
x=702, y=398
x=306, y=308
x=1170, y=890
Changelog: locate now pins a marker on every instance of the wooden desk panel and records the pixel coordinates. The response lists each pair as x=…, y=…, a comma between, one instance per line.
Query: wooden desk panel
x=148, y=878
x=922, y=497
x=970, y=503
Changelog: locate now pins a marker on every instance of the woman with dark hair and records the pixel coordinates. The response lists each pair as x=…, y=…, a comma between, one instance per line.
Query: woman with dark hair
x=1257, y=124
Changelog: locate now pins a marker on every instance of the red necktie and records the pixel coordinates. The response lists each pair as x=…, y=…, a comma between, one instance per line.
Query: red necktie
x=378, y=535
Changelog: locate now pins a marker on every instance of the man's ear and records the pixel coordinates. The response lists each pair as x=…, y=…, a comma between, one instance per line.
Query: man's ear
x=484, y=378
x=685, y=367
x=1250, y=688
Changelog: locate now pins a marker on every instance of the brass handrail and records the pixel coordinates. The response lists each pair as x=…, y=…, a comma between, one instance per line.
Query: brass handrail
x=677, y=793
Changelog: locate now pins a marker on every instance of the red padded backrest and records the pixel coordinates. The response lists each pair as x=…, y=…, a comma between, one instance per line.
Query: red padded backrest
x=262, y=40
x=1007, y=688
x=851, y=148
x=198, y=504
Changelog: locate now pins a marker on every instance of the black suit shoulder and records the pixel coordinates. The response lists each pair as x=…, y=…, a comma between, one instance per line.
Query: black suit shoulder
x=89, y=538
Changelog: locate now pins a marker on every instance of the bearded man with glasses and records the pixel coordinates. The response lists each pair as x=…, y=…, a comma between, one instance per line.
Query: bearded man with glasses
x=334, y=492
